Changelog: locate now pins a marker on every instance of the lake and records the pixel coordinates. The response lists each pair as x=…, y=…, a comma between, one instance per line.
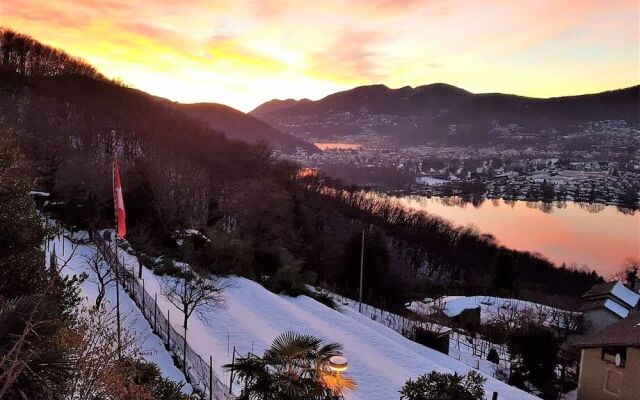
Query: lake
x=596, y=235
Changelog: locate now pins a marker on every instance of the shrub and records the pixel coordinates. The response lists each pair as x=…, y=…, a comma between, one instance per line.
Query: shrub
x=148, y=376
x=290, y=280
x=443, y=386
x=146, y=260
x=493, y=356
x=431, y=339
x=535, y=351
x=166, y=266
x=324, y=299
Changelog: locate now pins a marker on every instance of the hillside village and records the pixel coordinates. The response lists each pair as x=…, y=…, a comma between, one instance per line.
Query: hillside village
x=598, y=163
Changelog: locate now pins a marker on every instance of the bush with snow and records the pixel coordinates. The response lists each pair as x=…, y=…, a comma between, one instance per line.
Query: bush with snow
x=444, y=386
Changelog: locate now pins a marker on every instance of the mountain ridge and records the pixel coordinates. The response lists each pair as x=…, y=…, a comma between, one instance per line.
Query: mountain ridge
x=420, y=114
x=275, y=104
x=239, y=125
x=417, y=90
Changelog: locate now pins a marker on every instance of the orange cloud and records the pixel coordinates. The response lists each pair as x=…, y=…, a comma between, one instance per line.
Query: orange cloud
x=248, y=51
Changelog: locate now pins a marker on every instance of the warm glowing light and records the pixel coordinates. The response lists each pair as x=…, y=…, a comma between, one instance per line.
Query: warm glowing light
x=338, y=364
x=245, y=52
x=307, y=172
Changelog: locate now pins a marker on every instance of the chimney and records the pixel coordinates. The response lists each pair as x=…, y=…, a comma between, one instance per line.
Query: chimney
x=632, y=281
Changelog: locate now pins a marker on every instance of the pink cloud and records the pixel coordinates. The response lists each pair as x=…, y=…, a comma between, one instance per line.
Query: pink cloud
x=349, y=57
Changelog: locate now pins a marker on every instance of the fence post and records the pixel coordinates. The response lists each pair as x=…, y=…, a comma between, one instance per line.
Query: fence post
x=210, y=377
x=233, y=361
x=155, y=312
x=143, y=297
x=495, y=396
x=168, y=330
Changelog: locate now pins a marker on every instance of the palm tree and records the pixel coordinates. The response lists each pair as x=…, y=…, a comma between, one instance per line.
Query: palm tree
x=295, y=367
x=32, y=364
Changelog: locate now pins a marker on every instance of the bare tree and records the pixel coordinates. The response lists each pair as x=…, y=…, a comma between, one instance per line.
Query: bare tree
x=190, y=294
x=629, y=273
x=102, y=277
x=99, y=370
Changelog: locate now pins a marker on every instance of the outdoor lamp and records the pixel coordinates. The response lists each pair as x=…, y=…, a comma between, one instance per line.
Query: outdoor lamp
x=338, y=364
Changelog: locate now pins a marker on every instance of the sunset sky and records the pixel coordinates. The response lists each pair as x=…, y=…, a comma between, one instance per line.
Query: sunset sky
x=242, y=52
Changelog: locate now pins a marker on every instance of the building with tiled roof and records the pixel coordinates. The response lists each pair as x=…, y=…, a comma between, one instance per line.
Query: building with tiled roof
x=610, y=361
x=607, y=303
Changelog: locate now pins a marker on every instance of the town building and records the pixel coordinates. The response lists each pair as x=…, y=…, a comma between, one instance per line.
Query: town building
x=610, y=362
x=607, y=303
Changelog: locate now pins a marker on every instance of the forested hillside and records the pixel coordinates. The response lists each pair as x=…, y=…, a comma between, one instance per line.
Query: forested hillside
x=238, y=125
x=263, y=218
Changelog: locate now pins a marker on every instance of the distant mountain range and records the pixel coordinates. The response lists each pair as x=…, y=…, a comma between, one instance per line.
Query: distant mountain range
x=104, y=97
x=275, y=105
x=238, y=125
x=425, y=113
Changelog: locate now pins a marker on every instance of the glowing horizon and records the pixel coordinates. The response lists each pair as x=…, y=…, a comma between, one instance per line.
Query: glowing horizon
x=246, y=52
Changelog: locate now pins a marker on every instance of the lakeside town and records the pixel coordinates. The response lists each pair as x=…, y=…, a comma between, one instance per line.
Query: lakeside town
x=597, y=163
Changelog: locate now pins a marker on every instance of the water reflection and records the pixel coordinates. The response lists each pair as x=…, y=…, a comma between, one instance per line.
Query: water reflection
x=596, y=235
x=546, y=207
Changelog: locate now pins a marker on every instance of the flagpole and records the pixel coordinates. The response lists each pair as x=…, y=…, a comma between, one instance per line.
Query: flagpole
x=361, y=271
x=115, y=241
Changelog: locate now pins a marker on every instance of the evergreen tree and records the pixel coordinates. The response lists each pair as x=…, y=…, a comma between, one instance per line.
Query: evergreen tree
x=504, y=273
x=376, y=264
x=535, y=351
x=34, y=304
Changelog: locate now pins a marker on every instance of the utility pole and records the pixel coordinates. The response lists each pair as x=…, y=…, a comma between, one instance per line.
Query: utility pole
x=361, y=271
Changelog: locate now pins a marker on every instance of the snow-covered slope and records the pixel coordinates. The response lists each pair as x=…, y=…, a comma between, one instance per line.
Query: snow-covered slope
x=493, y=307
x=380, y=359
x=471, y=350
x=151, y=347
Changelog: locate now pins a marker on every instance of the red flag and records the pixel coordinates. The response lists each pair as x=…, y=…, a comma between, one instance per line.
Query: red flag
x=118, y=201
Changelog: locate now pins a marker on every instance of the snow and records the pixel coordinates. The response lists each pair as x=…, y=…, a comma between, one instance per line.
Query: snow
x=472, y=351
x=150, y=345
x=625, y=294
x=490, y=308
x=37, y=193
x=616, y=308
x=380, y=359
x=182, y=234
x=427, y=180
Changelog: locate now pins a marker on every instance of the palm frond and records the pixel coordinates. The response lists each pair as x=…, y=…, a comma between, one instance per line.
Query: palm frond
x=293, y=344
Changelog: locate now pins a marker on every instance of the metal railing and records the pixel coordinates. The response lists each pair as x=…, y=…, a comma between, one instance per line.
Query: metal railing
x=475, y=345
x=199, y=373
